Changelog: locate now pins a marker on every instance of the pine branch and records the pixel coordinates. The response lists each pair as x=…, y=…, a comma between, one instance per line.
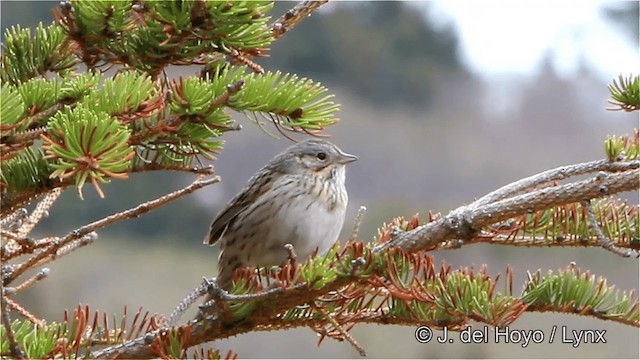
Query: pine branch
x=58, y=245
x=391, y=287
x=464, y=222
x=602, y=239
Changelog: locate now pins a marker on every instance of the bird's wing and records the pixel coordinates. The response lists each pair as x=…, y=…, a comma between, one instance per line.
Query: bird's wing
x=257, y=186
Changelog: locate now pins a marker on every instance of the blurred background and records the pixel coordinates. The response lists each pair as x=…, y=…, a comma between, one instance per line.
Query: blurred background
x=442, y=101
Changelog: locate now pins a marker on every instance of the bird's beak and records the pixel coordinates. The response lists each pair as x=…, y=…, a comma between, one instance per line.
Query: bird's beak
x=346, y=158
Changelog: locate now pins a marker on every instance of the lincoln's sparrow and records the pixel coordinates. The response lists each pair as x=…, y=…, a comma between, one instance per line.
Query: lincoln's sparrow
x=299, y=198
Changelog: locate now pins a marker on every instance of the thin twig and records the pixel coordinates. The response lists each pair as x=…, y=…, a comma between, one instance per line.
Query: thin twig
x=32, y=280
x=37, y=118
x=26, y=136
x=106, y=221
x=357, y=222
x=245, y=59
x=33, y=119
x=14, y=347
x=67, y=249
x=24, y=312
x=292, y=17
x=291, y=253
x=41, y=211
x=186, y=303
x=14, y=220
x=25, y=246
x=605, y=243
x=90, y=238
x=342, y=331
x=207, y=170
x=462, y=222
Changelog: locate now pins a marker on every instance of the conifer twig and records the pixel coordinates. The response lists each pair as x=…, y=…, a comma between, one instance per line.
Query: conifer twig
x=32, y=280
x=41, y=211
x=605, y=243
x=14, y=347
x=25, y=137
x=24, y=312
x=357, y=222
x=292, y=17
x=186, y=303
x=14, y=219
x=104, y=222
x=341, y=330
x=462, y=222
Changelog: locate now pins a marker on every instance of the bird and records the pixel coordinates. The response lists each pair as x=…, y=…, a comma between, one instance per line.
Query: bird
x=298, y=198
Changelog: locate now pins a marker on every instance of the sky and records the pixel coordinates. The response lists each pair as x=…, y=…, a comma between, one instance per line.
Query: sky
x=513, y=37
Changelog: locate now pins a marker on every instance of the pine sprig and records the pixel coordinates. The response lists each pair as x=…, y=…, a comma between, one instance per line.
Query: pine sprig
x=296, y=103
x=406, y=289
x=625, y=93
x=74, y=88
x=36, y=342
x=81, y=331
x=171, y=124
x=570, y=290
x=127, y=96
x=87, y=146
x=568, y=223
x=623, y=148
x=12, y=109
x=40, y=94
x=148, y=36
x=23, y=176
x=25, y=57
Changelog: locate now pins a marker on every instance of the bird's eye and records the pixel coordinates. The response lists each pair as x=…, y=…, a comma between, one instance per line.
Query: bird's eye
x=321, y=156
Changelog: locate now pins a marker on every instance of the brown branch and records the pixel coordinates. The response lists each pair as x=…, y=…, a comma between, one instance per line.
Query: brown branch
x=26, y=137
x=32, y=280
x=104, y=222
x=14, y=347
x=13, y=202
x=14, y=220
x=24, y=312
x=462, y=222
x=153, y=166
x=598, y=186
x=336, y=324
x=37, y=118
x=602, y=239
x=213, y=328
x=41, y=211
x=279, y=300
x=292, y=17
